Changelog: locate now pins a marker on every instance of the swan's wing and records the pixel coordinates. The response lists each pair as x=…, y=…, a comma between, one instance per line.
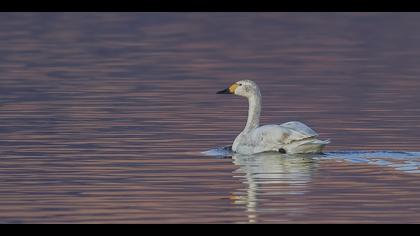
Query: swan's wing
x=284, y=133
x=300, y=129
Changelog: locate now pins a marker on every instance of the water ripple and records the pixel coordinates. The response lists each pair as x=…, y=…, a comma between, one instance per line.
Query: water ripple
x=103, y=117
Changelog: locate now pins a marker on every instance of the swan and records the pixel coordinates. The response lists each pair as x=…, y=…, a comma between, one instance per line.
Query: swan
x=292, y=137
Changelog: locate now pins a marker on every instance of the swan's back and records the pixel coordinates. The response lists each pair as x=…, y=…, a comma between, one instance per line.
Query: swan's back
x=291, y=137
x=285, y=133
x=298, y=130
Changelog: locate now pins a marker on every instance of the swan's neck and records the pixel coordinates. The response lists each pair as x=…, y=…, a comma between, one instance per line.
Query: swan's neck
x=254, y=112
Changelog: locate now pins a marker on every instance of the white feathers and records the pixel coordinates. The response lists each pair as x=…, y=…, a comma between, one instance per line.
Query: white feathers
x=291, y=137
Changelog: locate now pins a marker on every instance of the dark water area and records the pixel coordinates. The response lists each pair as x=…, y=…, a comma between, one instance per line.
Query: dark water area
x=104, y=117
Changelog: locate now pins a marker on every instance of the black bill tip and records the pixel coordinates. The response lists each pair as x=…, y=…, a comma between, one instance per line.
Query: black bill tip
x=225, y=91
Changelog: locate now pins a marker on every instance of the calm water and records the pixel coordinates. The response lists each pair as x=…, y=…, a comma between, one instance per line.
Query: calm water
x=104, y=117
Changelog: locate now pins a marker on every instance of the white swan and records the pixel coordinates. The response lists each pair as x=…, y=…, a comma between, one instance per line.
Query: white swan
x=291, y=137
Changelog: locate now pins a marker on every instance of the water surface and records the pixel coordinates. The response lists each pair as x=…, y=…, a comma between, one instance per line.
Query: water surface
x=104, y=117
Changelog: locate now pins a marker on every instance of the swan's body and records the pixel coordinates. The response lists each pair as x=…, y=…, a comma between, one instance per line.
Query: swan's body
x=291, y=137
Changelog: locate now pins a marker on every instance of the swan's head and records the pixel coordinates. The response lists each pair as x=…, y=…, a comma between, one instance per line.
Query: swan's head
x=245, y=88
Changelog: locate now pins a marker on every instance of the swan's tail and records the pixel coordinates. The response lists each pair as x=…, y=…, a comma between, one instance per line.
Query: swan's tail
x=311, y=145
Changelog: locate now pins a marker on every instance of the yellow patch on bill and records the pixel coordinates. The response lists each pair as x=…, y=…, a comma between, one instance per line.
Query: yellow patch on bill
x=233, y=87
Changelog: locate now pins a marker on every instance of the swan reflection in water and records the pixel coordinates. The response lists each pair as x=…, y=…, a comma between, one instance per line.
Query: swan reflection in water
x=273, y=175
x=278, y=183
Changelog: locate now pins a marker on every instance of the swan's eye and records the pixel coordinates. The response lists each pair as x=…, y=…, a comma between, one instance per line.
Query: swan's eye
x=240, y=84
